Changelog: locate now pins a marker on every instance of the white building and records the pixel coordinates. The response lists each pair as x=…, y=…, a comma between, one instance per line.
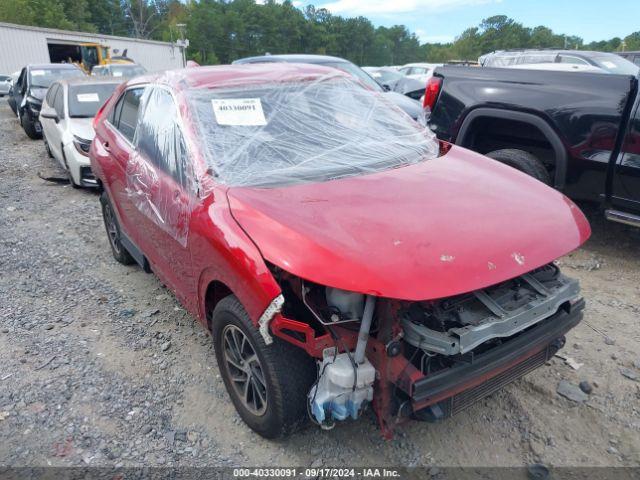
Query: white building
x=21, y=45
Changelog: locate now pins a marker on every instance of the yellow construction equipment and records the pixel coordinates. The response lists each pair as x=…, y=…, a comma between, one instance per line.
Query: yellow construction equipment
x=93, y=54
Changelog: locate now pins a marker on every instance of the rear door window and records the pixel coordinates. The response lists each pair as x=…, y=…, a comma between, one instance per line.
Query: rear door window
x=126, y=113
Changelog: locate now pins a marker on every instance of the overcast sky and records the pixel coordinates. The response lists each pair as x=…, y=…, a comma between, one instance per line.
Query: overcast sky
x=443, y=20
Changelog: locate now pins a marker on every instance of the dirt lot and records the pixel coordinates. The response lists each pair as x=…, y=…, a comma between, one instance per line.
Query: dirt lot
x=100, y=365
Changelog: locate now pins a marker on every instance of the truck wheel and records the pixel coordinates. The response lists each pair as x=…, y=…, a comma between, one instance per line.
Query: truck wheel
x=523, y=161
x=268, y=384
x=29, y=127
x=113, y=232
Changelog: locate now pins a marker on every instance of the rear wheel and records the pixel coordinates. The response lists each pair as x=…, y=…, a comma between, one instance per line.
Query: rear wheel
x=113, y=232
x=268, y=384
x=523, y=161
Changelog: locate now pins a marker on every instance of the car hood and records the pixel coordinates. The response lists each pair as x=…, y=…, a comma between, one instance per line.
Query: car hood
x=82, y=127
x=442, y=227
x=409, y=105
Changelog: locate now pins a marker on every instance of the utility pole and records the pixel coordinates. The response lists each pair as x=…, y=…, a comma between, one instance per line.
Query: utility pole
x=183, y=43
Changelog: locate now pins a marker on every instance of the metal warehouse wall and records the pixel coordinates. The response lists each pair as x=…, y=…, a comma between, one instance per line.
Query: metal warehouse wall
x=21, y=45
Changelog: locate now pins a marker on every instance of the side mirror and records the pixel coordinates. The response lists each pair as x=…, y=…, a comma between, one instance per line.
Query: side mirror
x=50, y=113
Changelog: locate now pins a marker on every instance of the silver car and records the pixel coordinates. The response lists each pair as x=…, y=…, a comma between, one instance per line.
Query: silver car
x=5, y=84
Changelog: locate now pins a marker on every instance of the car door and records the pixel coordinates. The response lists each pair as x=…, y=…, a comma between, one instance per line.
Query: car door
x=159, y=182
x=626, y=190
x=49, y=124
x=54, y=137
x=118, y=144
x=17, y=91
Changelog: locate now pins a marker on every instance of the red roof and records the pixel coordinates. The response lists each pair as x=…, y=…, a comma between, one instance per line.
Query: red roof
x=236, y=75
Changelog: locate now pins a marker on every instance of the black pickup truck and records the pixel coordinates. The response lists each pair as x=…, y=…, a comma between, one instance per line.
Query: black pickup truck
x=579, y=132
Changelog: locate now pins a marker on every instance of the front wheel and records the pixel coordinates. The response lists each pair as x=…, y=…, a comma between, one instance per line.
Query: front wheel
x=268, y=384
x=523, y=161
x=29, y=127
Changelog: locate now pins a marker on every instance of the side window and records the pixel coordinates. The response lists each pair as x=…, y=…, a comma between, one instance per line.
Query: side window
x=58, y=102
x=636, y=60
x=573, y=60
x=22, y=80
x=114, y=116
x=159, y=138
x=126, y=118
x=51, y=93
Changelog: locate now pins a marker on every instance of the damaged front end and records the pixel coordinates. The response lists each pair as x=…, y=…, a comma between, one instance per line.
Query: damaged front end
x=426, y=360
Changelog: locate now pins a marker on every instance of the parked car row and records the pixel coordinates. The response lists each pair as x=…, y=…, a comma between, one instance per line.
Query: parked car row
x=341, y=254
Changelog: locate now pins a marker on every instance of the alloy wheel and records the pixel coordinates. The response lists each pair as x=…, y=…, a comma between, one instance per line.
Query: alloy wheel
x=112, y=228
x=245, y=370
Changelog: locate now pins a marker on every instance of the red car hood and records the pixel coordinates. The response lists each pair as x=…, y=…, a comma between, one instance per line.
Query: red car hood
x=435, y=229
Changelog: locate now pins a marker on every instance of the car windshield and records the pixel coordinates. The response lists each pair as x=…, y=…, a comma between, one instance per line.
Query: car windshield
x=85, y=100
x=294, y=132
x=127, y=70
x=355, y=71
x=386, y=76
x=44, y=77
x=615, y=64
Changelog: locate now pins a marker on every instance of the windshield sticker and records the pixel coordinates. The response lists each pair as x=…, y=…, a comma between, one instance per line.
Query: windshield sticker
x=117, y=74
x=37, y=73
x=609, y=64
x=88, y=97
x=239, y=112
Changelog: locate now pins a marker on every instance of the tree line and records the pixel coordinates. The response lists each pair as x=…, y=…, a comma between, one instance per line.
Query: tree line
x=221, y=31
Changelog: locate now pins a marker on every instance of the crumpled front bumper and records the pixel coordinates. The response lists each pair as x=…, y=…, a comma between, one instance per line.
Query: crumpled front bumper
x=449, y=391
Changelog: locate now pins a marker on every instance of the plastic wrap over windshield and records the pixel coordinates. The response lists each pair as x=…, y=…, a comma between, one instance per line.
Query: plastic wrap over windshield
x=159, y=176
x=281, y=133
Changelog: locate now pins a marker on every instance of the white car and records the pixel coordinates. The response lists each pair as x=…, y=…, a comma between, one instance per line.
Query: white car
x=5, y=84
x=126, y=70
x=66, y=118
x=419, y=71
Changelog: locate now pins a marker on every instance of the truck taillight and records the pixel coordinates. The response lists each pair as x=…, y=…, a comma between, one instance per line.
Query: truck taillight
x=431, y=92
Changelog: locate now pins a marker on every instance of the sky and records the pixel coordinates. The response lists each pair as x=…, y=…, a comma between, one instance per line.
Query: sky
x=443, y=20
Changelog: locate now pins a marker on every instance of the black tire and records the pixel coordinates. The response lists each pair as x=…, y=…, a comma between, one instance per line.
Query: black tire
x=288, y=373
x=523, y=161
x=29, y=127
x=112, y=226
x=46, y=147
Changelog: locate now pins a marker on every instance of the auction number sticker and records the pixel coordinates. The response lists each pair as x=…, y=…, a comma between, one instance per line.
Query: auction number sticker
x=246, y=112
x=88, y=97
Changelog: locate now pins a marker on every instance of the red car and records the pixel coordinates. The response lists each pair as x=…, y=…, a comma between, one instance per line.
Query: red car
x=340, y=256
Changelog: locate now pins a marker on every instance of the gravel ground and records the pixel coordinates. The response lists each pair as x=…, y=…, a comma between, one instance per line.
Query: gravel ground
x=99, y=364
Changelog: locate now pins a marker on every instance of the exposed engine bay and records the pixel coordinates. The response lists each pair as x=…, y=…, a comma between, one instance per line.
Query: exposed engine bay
x=385, y=351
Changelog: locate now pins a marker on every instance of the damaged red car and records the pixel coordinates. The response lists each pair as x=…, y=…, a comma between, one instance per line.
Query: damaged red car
x=341, y=257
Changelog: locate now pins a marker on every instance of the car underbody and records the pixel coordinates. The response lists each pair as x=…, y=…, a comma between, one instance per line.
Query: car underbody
x=429, y=359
